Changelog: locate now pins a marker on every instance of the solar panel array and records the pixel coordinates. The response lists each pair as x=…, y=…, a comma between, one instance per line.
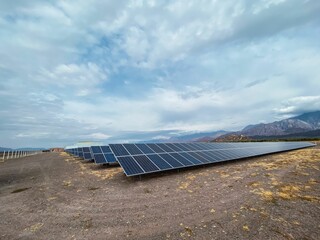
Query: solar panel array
x=83, y=152
x=138, y=159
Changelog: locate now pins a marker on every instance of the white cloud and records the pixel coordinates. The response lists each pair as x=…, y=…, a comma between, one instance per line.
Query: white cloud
x=72, y=69
x=74, y=75
x=98, y=136
x=160, y=137
x=298, y=105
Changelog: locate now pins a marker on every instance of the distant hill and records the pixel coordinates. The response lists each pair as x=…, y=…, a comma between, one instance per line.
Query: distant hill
x=302, y=123
x=305, y=125
x=194, y=137
x=303, y=135
x=21, y=149
x=199, y=137
x=232, y=138
x=4, y=149
x=30, y=149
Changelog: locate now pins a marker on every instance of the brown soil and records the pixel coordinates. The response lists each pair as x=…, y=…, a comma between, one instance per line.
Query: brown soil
x=55, y=196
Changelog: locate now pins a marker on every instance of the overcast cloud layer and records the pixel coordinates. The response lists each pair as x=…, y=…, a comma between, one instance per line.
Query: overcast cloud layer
x=130, y=70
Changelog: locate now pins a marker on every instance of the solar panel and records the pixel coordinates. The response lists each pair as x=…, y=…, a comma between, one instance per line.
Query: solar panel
x=102, y=155
x=87, y=153
x=159, y=162
x=80, y=152
x=138, y=159
x=76, y=152
x=71, y=151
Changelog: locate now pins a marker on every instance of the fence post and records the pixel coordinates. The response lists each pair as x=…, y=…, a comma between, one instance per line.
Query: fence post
x=4, y=154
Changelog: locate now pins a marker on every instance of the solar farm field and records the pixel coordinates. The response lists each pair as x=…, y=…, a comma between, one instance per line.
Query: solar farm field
x=57, y=196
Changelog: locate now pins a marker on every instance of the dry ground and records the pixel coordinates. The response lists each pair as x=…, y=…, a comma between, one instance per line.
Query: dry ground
x=55, y=196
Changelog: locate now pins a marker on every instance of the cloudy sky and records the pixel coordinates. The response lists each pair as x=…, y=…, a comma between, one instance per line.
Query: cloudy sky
x=116, y=71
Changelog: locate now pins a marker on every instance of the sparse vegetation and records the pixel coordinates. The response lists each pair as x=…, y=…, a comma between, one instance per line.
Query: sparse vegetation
x=205, y=203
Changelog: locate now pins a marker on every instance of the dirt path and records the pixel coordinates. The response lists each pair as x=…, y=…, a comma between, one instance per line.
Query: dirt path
x=54, y=196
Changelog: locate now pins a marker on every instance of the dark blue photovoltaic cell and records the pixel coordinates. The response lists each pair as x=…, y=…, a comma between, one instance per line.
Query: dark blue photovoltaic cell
x=106, y=149
x=165, y=147
x=145, y=163
x=155, y=148
x=173, y=162
x=189, y=146
x=144, y=148
x=199, y=157
x=181, y=159
x=202, y=146
x=86, y=149
x=84, y=153
x=190, y=158
x=99, y=158
x=219, y=155
x=195, y=147
x=230, y=154
x=223, y=154
x=96, y=149
x=207, y=156
x=110, y=158
x=132, y=149
x=87, y=156
x=183, y=147
x=157, y=160
x=119, y=150
x=213, y=155
x=130, y=166
x=174, y=147
x=199, y=146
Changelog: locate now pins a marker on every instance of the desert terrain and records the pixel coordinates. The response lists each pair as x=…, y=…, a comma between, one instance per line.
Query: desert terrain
x=56, y=196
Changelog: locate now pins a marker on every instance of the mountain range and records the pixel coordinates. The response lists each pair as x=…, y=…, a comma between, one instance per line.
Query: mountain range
x=306, y=125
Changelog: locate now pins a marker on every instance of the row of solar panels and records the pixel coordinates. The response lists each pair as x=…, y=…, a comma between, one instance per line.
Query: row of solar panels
x=138, y=159
x=100, y=154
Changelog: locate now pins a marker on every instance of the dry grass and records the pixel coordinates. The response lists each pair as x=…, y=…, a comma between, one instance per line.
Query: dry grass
x=300, y=163
x=103, y=174
x=184, y=185
x=34, y=228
